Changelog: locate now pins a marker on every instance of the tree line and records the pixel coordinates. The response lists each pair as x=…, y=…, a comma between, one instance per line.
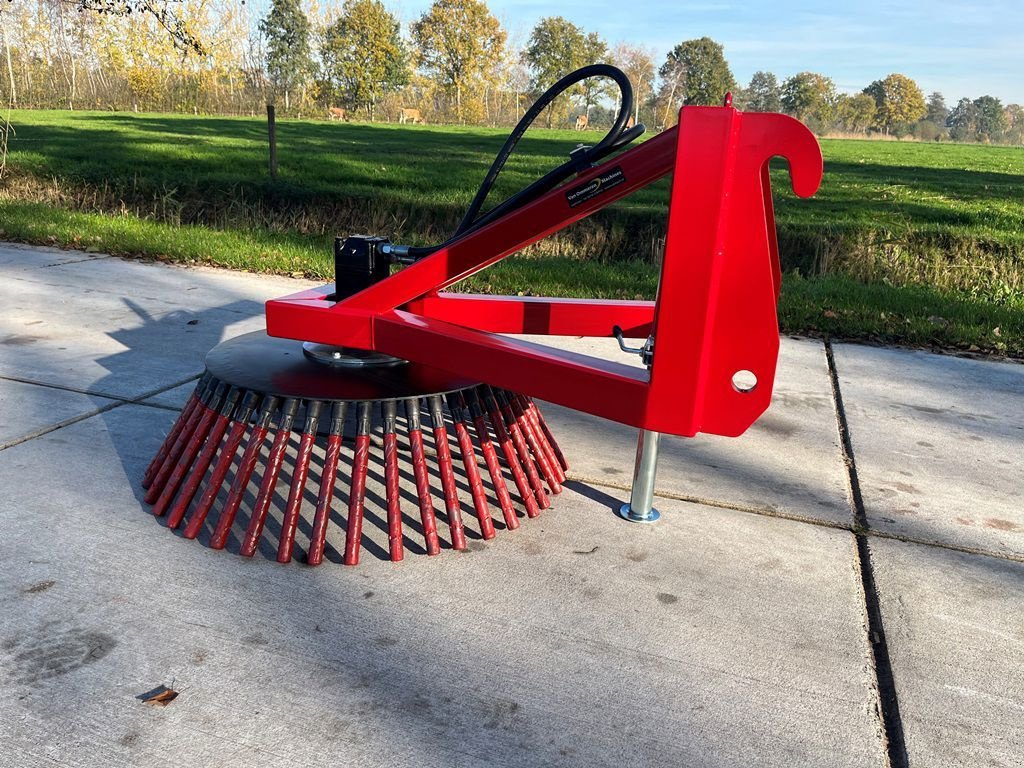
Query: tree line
x=455, y=63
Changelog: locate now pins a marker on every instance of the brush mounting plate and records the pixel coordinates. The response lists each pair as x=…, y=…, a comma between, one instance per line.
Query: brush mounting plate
x=347, y=357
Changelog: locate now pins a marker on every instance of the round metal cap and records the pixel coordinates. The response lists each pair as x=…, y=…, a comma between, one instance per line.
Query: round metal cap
x=347, y=357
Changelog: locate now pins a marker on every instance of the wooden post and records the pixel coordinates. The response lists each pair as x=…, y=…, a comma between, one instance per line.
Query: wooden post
x=272, y=132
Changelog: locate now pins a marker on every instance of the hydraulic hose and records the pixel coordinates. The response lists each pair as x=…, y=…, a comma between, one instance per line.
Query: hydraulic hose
x=584, y=157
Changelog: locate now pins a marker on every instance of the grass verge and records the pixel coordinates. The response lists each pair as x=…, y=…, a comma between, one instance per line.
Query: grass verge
x=834, y=306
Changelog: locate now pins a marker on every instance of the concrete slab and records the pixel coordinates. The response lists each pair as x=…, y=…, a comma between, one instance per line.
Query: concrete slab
x=718, y=638
x=939, y=445
x=789, y=462
x=955, y=636
x=27, y=409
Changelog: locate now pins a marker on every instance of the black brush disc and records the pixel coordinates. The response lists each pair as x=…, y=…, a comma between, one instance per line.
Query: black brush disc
x=272, y=366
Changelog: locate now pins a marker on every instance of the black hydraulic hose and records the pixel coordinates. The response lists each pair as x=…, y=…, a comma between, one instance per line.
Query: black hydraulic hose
x=594, y=70
x=616, y=138
x=552, y=179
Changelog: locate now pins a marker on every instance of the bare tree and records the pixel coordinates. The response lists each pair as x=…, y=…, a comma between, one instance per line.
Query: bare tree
x=638, y=64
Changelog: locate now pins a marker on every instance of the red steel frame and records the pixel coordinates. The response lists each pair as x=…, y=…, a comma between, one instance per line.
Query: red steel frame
x=715, y=313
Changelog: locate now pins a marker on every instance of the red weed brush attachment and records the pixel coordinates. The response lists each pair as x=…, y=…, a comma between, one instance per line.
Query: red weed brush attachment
x=383, y=404
x=268, y=422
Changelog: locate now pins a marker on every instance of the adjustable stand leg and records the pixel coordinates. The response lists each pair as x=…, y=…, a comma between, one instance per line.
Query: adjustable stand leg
x=640, y=509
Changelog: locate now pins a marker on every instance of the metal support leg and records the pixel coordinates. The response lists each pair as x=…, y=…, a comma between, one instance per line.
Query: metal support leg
x=639, y=509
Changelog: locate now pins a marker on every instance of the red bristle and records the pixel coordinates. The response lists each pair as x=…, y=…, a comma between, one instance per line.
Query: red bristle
x=198, y=472
x=391, y=481
x=184, y=462
x=354, y=529
x=293, y=508
x=356, y=497
x=483, y=437
x=419, y=466
x=241, y=480
x=224, y=461
x=444, y=467
x=551, y=438
x=524, y=454
x=220, y=470
x=269, y=483
x=476, y=485
x=532, y=415
x=535, y=447
x=318, y=537
x=168, y=443
x=158, y=482
x=511, y=458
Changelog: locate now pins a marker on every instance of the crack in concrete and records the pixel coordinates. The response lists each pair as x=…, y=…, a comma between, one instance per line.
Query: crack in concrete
x=77, y=261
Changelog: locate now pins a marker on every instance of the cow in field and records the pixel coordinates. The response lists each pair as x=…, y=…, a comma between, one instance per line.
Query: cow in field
x=337, y=113
x=410, y=116
x=581, y=122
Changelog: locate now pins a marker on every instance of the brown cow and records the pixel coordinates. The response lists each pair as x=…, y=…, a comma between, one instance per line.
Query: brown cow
x=410, y=116
x=337, y=113
x=581, y=122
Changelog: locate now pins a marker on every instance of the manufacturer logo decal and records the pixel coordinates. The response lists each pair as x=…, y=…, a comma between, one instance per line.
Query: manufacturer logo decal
x=595, y=187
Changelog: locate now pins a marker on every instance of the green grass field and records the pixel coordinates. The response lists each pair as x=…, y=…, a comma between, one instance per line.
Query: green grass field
x=910, y=243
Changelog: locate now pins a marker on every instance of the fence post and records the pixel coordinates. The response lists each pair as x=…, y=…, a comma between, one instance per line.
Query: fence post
x=272, y=133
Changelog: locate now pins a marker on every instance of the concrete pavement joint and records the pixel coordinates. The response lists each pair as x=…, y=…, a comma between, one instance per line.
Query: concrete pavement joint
x=60, y=425
x=888, y=702
x=1009, y=556
x=137, y=400
x=98, y=393
x=158, y=406
x=709, y=502
x=779, y=514
x=117, y=403
x=860, y=518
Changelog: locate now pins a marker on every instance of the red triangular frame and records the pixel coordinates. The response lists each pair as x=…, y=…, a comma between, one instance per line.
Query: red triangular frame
x=715, y=314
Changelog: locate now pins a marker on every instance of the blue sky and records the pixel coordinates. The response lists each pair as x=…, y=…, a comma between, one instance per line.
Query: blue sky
x=958, y=48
